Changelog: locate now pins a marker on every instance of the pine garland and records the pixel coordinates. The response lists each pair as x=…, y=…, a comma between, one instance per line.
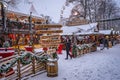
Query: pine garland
x=25, y=58
x=6, y=67
x=42, y=58
x=74, y=50
x=54, y=55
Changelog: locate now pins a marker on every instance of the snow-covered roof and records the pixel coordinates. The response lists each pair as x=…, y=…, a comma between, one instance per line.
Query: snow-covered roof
x=88, y=33
x=87, y=27
x=84, y=29
x=106, y=32
x=84, y=33
x=41, y=8
x=69, y=30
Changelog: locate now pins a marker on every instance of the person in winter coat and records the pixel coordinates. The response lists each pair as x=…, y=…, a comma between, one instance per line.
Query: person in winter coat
x=101, y=41
x=106, y=43
x=68, y=46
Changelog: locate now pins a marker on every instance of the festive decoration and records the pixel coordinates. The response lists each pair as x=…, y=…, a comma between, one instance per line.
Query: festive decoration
x=6, y=67
x=74, y=50
x=42, y=58
x=84, y=46
x=25, y=58
x=54, y=55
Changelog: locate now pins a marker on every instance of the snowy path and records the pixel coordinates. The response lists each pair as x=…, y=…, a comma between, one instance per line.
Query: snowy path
x=99, y=65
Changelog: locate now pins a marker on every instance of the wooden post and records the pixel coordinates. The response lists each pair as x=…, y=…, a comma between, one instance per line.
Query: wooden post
x=18, y=66
x=33, y=65
x=18, y=69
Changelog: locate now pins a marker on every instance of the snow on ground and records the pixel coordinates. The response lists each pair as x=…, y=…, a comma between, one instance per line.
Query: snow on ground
x=99, y=65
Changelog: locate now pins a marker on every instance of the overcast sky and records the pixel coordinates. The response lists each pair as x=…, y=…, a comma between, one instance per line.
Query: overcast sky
x=47, y=7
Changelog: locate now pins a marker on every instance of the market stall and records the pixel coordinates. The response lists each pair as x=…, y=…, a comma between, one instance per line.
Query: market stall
x=85, y=37
x=50, y=35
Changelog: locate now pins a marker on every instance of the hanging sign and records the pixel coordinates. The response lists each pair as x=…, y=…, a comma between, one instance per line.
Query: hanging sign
x=47, y=26
x=48, y=31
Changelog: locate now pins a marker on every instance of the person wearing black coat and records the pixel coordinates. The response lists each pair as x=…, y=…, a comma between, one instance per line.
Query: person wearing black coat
x=68, y=46
x=106, y=43
x=101, y=41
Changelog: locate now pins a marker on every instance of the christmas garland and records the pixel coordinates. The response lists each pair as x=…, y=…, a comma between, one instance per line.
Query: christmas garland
x=25, y=58
x=54, y=55
x=74, y=50
x=42, y=58
x=84, y=46
x=4, y=68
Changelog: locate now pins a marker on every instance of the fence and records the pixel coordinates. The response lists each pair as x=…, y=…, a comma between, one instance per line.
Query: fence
x=20, y=66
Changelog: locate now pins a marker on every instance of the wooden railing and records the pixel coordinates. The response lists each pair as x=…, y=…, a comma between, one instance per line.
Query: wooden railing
x=19, y=70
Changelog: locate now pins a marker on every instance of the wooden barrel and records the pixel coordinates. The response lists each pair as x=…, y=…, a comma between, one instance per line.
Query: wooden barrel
x=52, y=68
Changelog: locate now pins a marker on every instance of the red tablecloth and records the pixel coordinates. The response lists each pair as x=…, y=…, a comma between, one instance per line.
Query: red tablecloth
x=7, y=53
x=29, y=48
x=10, y=48
x=60, y=47
x=4, y=54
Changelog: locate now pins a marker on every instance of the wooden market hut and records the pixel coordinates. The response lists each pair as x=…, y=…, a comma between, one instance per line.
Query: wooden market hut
x=18, y=24
x=50, y=34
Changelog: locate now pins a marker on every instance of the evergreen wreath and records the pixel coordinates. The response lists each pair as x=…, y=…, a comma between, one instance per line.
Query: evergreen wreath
x=26, y=59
